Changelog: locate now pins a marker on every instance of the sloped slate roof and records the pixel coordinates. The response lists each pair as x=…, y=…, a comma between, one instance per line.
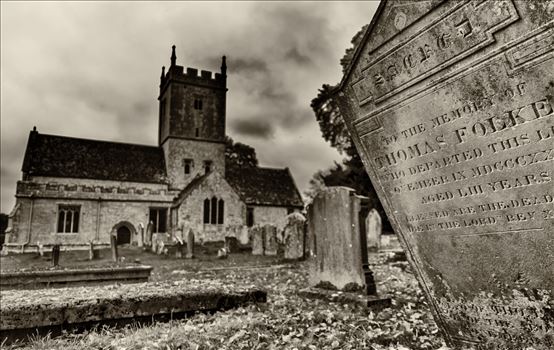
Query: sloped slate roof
x=264, y=186
x=60, y=156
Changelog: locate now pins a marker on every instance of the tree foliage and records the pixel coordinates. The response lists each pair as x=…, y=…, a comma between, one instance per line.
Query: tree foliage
x=350, y=172
x=239, y=155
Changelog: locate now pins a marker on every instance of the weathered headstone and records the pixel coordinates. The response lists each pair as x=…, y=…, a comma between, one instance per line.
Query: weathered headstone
x=270, y=240
x=190, y=244
x=179, y=243
x=141, y=234
x=374, y=229
x=293, y=236
x=257, y=238
x=222, y=253
x=243, y=235
x=149, y=233
x=450, y=105
x=113, y=244
x=335, y=220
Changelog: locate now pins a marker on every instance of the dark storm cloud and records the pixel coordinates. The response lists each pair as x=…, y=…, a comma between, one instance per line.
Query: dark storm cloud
x=295, y=55
x=255, y=127
x=241, y=65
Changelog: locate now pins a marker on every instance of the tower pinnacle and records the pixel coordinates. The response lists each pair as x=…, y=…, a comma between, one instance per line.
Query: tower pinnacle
x=173, y=56
x=223, y=66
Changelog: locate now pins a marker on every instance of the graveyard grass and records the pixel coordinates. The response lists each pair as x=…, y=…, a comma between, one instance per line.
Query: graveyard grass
x=286, y=321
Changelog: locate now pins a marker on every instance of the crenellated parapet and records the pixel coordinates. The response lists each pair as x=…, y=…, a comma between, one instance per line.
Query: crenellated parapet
x=191, y=76
x=92, y=191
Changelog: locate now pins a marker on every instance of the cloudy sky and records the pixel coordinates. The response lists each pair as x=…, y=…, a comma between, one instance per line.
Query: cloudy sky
x=91, y=70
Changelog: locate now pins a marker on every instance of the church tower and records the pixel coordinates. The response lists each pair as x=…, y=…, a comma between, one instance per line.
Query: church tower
x=192, y=121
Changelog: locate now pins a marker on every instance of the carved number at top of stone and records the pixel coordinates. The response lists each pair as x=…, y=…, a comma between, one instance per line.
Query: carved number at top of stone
x=452, y=110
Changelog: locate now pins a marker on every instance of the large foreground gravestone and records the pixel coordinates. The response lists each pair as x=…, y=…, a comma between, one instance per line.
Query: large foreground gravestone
x=450, y=104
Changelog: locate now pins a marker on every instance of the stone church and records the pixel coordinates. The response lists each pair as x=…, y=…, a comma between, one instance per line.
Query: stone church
x=74, y=191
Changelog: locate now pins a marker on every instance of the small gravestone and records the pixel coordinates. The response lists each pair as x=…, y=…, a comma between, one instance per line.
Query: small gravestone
x=40, y=249
x=149, y=233
x=179, y=243
x=222, y=253
x=257, y=237
x=141, y=234
x=113, y=244
x=270, y=240
x=243, y=235
x=450, y=105
x=293, y=236
x=190, y=244
x=55, y=255
x=373, y=228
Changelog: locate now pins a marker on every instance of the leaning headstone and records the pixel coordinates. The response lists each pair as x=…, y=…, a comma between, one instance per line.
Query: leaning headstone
x=293, y=236
x=270, y=240
x=335, y=220
x=55, y=255
x=373, y=228
x=190, y=244
x=451, y=107
x=257, y=237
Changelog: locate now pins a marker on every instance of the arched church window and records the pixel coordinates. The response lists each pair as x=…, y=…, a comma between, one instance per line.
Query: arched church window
x=220, y=206
x=206, y=211
x=214, y=211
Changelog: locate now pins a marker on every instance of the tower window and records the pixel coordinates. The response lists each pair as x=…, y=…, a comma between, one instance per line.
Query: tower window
x=188, y=163
x=198, y=104
x=68, y=218
x=207, y=166
x=197, y=132
x=214, y=211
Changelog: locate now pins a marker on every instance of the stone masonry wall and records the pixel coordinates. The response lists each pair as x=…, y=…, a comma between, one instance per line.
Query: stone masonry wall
x=103, y=204
x=177, y=150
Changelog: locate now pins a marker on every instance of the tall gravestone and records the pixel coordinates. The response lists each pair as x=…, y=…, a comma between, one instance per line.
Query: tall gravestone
x=257, y=238
x=294, y=236
x=451, y=107
x=373, y=226
x=338, y=249
x=270, y=240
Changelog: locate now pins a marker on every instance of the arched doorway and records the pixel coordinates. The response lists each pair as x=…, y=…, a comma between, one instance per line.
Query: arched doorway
x=124, y=232
x=123, y=235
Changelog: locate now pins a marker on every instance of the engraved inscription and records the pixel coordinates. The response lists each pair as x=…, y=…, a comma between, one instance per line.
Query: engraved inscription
x=459, y=34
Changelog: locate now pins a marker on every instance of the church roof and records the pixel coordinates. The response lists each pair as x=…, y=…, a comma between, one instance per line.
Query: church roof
x=264, y=186
x=60, y=156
